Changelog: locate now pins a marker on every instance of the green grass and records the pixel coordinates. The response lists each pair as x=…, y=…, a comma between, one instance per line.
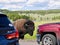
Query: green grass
x=28, y=37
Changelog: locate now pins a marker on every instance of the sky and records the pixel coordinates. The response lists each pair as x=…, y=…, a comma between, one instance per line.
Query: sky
x=29, y=4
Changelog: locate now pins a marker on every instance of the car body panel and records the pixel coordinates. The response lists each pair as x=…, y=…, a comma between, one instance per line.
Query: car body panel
x=4, y=41
x=51, y=27
x=7, y=28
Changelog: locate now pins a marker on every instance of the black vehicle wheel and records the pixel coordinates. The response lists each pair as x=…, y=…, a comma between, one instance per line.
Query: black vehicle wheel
x=48, y=39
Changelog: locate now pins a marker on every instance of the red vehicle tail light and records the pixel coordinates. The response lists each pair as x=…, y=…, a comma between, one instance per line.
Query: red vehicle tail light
x=17, y=34
x=13, y=35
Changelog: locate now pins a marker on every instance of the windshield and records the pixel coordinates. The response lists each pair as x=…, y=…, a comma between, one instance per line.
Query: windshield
x=4, y=21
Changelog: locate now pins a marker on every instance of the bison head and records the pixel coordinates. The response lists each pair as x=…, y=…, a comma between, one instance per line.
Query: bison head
x=24, y=26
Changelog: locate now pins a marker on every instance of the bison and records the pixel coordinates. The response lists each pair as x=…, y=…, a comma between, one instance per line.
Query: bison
x=24, y=26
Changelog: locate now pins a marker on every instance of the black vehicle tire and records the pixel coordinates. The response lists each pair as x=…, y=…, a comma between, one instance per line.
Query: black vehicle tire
x=49, y=39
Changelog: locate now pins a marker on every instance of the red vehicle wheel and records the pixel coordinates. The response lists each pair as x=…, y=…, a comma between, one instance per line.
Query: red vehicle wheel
x=48, y=39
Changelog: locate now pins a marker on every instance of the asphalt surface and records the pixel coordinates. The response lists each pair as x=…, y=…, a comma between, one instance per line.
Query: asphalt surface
x=28, y=42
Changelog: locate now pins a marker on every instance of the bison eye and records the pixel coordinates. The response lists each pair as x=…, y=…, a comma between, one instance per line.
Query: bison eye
x=26, y=25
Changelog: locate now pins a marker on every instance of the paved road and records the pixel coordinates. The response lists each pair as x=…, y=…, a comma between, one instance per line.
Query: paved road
x=28, y=42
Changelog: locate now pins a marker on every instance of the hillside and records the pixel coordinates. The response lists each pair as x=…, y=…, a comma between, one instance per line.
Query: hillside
x=33, y=11
x=35, y=15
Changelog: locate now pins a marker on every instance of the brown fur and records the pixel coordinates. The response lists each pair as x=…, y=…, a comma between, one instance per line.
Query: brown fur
x=19, y=24
x=23, y=29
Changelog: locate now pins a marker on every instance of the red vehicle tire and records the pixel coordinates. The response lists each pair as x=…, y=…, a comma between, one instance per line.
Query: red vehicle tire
x=48, y=39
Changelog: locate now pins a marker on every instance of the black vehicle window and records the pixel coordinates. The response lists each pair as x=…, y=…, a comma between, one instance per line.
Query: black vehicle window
x=4, y=21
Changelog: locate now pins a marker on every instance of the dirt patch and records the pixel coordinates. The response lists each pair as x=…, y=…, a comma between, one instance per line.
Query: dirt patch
x=28, y=42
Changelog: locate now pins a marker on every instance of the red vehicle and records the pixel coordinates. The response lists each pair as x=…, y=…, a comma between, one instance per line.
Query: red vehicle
x=49, y=33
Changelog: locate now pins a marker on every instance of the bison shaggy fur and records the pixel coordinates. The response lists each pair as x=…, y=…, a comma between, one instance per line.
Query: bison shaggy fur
x=24, y=26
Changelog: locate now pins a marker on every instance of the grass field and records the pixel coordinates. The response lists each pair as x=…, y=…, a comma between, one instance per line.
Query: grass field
x=28, y=37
